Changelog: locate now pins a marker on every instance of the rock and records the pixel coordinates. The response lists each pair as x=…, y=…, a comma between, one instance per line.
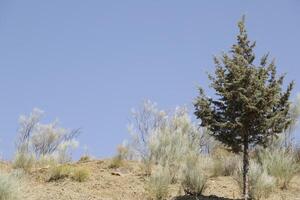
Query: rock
x=116, y=174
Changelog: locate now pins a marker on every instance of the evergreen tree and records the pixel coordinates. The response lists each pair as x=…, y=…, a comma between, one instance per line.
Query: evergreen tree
x=250, y=107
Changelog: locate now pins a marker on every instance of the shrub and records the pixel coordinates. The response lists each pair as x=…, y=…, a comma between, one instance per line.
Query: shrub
x=225, y=165
x=170, y=144
x=157, y=187
x=8, y=188
x=145, y=120
x=193, y=179
x=297, y=154
x=60, y=172
x=260, y=183
x=46, y=161
x=146, y=167
x=44, y=140
x=23, y=161
x=280, y=164
x=117, y=161
x=80, y=174
x=84, y=159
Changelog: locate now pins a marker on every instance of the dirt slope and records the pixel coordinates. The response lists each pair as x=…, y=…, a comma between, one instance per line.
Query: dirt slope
x=126, y=183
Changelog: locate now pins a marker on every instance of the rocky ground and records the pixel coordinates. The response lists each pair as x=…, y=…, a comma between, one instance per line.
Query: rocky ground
x=125, y=183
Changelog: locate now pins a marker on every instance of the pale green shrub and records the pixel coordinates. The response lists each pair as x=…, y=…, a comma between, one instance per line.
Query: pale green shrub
x=37, y=140
x=280, y=164
x=46, y=161
x=193, y=178
x=169, y=145
x=23, y=161
x=165, y=138
x=9, y=189
x=145, y=120
x=260, y=183
x=157, y=187
x=263, y=186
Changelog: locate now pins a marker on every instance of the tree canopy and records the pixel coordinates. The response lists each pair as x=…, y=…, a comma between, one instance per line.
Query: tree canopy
x=250, y=100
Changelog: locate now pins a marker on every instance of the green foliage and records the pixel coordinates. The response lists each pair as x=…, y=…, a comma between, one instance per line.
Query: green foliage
x=250, y=107
x=280, y=164
x=8, y=188
x=193, y=178
x=251, y=102
x=261, y=183
x=157, y=186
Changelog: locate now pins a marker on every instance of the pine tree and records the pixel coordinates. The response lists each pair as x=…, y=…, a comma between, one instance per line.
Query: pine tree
x=250, y=107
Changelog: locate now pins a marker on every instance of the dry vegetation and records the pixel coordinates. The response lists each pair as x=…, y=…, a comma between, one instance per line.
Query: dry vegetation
x=125, y=183
x=168, y=157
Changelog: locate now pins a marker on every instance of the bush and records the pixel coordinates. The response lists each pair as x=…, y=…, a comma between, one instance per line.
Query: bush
x=225, y=165
x=280, y=164
x=157, y=187
x=297, y=154
x=46, y=161
x=84, y=159
x=260, y=183
x=170, y=144
x=8, y=188
x=60, y=172
x=80, y=174
x=193, y=179
x=117, y=161
x=44, y=140
x=23, y=161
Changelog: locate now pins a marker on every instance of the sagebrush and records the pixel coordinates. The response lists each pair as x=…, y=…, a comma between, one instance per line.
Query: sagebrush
x=9, y=188
x=157, y=186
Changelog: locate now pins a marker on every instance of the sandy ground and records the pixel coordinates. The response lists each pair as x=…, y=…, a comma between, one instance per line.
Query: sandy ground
x=126, y=183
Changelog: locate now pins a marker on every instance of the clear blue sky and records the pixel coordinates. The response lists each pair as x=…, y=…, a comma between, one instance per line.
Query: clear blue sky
x=89, y=62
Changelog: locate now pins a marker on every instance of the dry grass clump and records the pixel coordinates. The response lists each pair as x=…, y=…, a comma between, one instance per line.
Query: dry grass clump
x=8, y=188
x=146, y=167
x=80, y=174
x=297, y=154
x=157, y=187
x=117, y=161
x=67, y=171
x=280, y=164
x=260, y=182
x=225, y=165
x=60, y=172
x=46, y=161
x=84, y=158
x=24, y=161
x=224, y=162
x=193, y=178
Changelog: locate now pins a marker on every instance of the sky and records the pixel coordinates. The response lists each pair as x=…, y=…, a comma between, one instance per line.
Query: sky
x=88, y=63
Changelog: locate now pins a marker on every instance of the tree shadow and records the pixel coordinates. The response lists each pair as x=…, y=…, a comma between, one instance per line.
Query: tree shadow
x=201, y=197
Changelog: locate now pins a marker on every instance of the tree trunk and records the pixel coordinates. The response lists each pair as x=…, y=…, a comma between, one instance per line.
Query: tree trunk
x=246, y=169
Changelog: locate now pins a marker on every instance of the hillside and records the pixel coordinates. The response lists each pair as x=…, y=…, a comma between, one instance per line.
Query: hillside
x=126, y=183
